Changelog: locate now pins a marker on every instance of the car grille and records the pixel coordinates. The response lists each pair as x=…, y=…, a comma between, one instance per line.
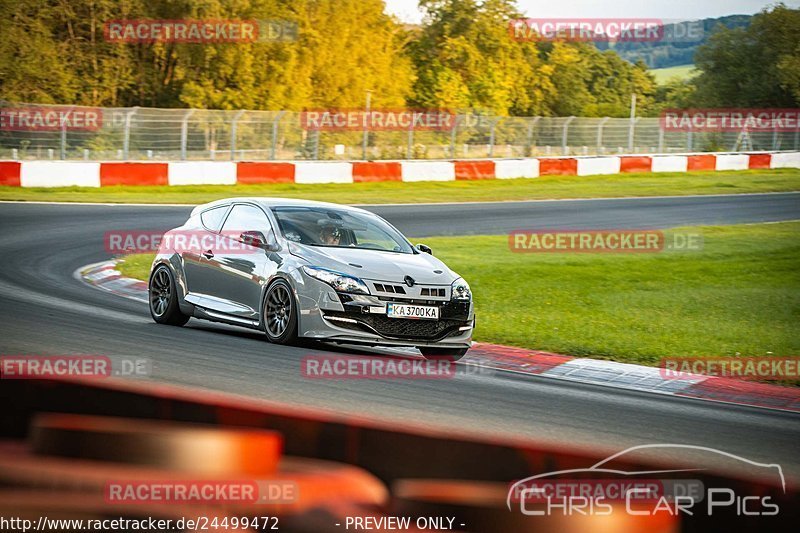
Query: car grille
x=425, y=291
x=397, y=327
x=383, y=287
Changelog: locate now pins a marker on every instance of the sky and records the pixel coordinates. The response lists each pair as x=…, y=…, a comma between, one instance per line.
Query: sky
x=671, y=10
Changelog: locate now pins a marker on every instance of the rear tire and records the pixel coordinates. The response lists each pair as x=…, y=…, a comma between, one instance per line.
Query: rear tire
x=279, y=314
x=163, y=297
x=442, y=354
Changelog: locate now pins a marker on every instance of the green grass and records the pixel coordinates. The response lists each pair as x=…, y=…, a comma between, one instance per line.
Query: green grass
x=739, y=295
x=647, y=184
x=681, y=72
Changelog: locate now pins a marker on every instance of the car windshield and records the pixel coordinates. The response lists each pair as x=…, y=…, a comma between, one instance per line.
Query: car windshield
x=322, y=226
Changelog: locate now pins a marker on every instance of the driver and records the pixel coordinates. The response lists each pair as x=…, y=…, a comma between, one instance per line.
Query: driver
x=330, y=235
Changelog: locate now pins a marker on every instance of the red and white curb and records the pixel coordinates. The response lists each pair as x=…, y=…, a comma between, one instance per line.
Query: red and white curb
x=104, y=174
x=105, y=276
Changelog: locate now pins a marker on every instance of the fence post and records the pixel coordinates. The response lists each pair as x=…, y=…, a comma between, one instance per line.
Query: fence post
x=126, y=135
x=491, y=136
x=600, y=133
x=185, y=133
x=565, y=132
x=632, y=133
x=797, y=138
x=531, y=125
x=63, y=151
x=453, y=137
x=275, y=123
x=660, y=138
x=775, y=143
x=690, y=141
x=367, y=118
x=316, y=144
x=233, y=133
x=410, y=144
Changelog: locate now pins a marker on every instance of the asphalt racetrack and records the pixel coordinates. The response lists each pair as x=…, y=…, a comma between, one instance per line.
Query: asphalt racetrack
x=44, y=310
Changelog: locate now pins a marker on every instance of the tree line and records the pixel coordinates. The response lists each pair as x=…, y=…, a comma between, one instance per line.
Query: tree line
x=461, y=57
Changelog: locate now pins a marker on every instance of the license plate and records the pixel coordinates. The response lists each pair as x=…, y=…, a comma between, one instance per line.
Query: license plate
x=417, y=312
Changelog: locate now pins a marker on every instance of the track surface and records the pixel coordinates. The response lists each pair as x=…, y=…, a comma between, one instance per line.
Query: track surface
x=44, y=310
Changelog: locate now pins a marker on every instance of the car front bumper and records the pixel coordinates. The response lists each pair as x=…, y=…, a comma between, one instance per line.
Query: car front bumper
x=326, y=315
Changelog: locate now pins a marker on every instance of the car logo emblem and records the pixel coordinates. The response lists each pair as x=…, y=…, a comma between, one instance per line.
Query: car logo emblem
x=409, y=281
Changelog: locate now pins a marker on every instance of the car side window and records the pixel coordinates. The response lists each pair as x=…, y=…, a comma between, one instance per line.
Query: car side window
x=212, y=218
x=246, y=218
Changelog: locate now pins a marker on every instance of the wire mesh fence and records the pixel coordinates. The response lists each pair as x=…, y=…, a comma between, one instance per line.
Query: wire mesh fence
x=30, y=131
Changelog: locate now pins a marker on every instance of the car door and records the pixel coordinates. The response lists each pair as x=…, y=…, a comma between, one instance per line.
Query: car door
x=196, y=266
x=239, y=270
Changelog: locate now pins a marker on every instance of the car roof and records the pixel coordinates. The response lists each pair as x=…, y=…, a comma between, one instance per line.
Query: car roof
x=269, y=202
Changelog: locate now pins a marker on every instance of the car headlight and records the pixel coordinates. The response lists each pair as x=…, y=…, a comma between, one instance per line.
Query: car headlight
x=460, y=290
x=340, y=282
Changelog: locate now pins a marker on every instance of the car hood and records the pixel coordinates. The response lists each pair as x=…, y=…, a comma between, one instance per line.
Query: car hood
x=377, y=265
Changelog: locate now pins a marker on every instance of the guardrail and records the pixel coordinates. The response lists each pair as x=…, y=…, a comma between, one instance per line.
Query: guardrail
x=101, y=174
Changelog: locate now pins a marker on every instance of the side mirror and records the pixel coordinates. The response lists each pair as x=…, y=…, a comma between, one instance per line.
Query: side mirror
x=259, y=240
x=425, y=248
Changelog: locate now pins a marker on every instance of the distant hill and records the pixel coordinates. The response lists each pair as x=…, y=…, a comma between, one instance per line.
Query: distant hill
x=671, y=54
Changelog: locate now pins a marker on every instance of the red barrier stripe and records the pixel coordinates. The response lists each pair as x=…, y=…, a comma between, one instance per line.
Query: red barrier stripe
x=377, y=171
x=701, y=162
x=760, y=160
x=474, y=170
x=558, y=167
x=635, y=164
x=250, y=172
x=9, y=173
x=133, y=174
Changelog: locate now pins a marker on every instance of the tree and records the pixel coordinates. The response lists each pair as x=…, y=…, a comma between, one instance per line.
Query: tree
x=756, y=66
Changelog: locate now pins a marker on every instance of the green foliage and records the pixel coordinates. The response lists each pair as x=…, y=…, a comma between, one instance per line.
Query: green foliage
x=462, y=57
x=757, y=66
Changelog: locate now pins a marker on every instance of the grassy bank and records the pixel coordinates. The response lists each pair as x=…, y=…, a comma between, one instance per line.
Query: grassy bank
x=646, y=184
x=738, y=295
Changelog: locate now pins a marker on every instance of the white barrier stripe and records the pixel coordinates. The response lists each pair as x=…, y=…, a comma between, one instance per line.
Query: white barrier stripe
x=591, y=166
x=323, y=172
x=428, y=170
x=59, y=174
x=669, y=163
x=516, y=168
x=202, y=173
x=733, y=162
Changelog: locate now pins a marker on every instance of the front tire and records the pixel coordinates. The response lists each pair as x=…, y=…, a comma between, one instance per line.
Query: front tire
x=279, y=314
x=442, y=354
x=163, y=297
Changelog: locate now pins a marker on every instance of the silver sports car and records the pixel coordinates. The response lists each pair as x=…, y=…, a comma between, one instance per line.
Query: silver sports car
x=295, y=268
